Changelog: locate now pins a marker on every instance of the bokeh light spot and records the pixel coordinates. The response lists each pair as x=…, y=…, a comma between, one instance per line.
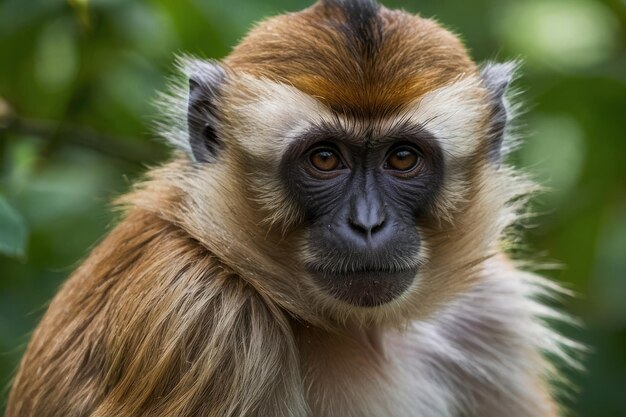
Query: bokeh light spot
x=567, y=34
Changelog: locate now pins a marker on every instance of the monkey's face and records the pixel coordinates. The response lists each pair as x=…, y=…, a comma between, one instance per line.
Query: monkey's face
x=362, y=196
x=349, y=210
x=366, y=143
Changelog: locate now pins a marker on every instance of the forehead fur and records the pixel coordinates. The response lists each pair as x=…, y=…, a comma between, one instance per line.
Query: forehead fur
x=355, y=56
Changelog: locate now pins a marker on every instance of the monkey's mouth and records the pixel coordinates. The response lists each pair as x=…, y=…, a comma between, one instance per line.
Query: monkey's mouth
x=365, y=287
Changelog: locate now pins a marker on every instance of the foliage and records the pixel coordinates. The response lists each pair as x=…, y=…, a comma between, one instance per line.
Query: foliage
x=12, y=230
x=77, y=79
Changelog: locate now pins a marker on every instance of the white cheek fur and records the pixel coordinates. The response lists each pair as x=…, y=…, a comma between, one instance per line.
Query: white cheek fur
x=277, y=113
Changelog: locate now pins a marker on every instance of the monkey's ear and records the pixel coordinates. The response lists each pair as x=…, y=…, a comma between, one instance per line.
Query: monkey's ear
x=206, y=80
x=496, y=78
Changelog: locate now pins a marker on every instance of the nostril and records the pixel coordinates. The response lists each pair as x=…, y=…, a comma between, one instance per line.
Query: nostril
x=378, y=227
x=357, y=227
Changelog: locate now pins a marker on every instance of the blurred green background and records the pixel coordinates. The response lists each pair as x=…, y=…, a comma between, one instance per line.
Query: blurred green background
x=77, y=79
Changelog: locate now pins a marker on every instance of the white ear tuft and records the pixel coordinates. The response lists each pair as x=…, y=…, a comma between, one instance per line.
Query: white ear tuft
x=496, y=79
x=206, y=79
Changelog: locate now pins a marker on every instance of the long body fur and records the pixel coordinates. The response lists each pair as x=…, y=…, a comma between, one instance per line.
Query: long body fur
x=155, y=323
x=197, y=304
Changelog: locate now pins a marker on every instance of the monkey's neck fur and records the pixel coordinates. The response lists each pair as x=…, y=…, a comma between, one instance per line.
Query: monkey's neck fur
x=157, y=316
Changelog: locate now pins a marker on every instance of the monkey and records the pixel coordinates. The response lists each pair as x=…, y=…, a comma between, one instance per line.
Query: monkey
x=331, y=237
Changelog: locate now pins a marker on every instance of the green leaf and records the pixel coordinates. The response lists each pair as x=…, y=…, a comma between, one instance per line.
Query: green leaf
x=13, y=232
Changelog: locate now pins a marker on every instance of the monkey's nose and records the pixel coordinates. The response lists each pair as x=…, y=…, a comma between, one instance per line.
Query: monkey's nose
x=367, y=226
x=366, y=218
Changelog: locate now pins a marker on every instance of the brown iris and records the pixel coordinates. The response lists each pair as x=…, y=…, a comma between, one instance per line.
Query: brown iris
x=325, y=159
x=402, y=159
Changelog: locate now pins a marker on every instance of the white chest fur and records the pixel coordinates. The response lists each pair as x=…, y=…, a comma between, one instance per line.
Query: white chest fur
x=481, y=356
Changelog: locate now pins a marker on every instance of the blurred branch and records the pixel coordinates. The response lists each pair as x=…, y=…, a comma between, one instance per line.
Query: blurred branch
x=112, y=146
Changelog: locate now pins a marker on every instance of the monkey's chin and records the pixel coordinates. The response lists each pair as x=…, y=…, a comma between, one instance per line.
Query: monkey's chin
x=367, y=288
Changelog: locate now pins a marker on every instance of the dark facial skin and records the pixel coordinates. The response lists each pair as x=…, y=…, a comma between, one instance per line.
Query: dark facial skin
x=363, y=198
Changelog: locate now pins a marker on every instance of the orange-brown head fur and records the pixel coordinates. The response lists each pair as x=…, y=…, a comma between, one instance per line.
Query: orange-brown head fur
x=356, y=57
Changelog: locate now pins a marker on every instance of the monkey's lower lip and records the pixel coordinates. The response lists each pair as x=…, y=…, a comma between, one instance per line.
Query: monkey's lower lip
x=365, y=288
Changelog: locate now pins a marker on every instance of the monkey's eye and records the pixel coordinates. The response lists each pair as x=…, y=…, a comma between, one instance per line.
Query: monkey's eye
x=403, y=159
x=325, y=159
